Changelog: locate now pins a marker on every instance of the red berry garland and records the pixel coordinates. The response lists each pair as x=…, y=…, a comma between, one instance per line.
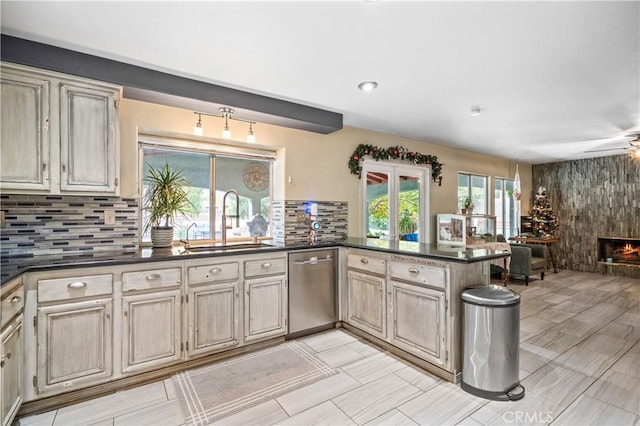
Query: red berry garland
x=394, y=153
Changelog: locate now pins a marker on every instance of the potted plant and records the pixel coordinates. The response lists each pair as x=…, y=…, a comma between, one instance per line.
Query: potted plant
x=467, y=205
x=164, y=198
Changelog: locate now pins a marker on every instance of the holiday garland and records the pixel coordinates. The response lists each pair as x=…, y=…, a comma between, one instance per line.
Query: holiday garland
x=394, y=153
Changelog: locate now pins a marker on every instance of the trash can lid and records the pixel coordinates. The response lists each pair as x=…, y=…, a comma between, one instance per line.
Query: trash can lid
x=491, y=295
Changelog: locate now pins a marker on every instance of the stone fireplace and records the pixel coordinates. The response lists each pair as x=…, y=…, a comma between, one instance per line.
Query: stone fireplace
x=619, y=251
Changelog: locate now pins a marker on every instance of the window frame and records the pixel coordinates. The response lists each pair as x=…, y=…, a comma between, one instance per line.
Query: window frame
x=515, y=225
x=214, y=148
x=469, y=191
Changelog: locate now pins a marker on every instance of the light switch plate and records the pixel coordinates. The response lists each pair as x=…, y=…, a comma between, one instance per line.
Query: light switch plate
x=109, y=217
x=301, y=217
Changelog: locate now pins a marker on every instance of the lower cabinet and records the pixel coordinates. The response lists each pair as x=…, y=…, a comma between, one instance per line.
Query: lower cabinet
x=151, y=334
x=265, y=308
x=214, y=317
x=366, y=307
x=11, y=370
x=417, y=320
x=74, y=345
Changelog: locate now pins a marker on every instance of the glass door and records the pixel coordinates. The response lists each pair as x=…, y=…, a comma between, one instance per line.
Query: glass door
x=395, y=202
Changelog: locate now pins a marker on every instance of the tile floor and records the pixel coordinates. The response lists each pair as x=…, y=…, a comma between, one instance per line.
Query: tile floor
x=579, y=363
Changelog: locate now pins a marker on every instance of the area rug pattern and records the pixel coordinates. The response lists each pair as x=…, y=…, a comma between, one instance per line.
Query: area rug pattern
x=215, y=391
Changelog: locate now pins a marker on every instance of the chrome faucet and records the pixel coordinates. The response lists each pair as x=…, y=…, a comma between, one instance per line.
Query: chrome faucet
x=186, y=241
x=224, y=214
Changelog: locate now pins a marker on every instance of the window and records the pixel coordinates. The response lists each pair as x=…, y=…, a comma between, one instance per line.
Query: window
x=207, y=168
x=396, y=201
x=506, y=212
x=474, y=186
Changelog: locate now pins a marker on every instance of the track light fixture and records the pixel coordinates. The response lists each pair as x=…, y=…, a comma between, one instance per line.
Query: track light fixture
x=227, y=113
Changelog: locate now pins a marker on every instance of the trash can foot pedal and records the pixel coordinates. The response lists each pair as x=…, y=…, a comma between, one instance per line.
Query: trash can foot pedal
x=514, y=394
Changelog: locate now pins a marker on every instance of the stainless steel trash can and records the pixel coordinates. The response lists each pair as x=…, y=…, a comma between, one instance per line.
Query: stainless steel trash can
x=491, y=341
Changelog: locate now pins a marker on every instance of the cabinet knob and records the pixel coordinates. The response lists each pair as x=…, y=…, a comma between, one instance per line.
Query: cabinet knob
x=153, y=277
x=64, y=167
x=16, y=299
x=77, y=285
x=266, y=265
x=215, y=271
x=365, y=261
x=413, y=270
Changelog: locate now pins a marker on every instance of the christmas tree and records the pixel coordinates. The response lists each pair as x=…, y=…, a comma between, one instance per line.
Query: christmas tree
x=544, y=221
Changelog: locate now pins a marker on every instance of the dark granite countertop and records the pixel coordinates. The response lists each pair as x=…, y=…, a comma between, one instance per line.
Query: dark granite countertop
x=12, y=267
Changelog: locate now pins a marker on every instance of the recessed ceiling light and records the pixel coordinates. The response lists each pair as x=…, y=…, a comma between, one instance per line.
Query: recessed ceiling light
x=475, y=110
x=367, y=86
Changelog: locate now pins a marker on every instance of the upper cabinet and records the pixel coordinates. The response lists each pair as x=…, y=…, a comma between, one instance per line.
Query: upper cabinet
x=60, y=134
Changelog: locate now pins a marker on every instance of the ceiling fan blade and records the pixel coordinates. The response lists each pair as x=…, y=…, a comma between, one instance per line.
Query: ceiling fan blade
x=607, y=149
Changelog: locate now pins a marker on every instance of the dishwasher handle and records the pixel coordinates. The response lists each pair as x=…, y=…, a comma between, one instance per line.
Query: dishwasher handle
x=313, y=262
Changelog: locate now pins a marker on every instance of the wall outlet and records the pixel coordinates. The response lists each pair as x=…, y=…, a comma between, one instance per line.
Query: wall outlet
x=3, y=221
x=109, y=217
x=301, y=217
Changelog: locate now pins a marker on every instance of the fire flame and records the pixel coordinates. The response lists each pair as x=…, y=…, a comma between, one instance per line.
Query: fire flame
x=628, y=249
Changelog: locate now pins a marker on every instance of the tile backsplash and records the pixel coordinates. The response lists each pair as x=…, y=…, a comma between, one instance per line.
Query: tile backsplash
x=291, y=223
x=61, y=224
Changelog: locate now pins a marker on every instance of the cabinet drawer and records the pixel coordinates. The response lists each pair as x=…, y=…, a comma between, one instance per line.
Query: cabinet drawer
x=74, y=287
x=372, y=264
x=428, y=275
x=153, y=278
x=213, y=273
x=273, y=266
x=12, y=304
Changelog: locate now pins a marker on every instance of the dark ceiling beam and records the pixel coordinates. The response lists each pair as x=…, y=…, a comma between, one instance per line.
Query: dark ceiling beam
x=168, y=89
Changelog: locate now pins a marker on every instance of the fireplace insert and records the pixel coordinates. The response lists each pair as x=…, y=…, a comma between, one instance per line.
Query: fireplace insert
x=619, y=250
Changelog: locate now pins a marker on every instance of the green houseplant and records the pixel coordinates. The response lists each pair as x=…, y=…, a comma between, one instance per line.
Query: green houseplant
x=165, y=197
x=467, y=205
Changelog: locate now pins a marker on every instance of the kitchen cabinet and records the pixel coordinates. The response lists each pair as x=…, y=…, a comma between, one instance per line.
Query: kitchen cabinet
x=88, y=138
x=74, y=327
x=265, y=298
x=366, y=292
x=11, y=344
x=151, y=319
x=366, y=303
x=214, y=307
x=60, y=133
x=417, y=320
x=24, y=131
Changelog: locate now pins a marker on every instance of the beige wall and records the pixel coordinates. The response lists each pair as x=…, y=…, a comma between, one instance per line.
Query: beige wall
x=316, y=164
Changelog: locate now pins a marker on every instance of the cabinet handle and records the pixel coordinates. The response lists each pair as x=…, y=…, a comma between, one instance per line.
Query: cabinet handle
x=16, y=299
x=6, y=356
x=215, y=271
x=363, y=260
x=64, y=167
x=413, y=270
x=266, y=265
x=77, y=285
x=153, y=277
x=44, y=166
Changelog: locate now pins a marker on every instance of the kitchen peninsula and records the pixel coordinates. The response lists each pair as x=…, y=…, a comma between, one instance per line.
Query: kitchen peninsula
x=381, y=282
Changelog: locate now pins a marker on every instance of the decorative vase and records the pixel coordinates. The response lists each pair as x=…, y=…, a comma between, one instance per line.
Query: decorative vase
x=161, y=236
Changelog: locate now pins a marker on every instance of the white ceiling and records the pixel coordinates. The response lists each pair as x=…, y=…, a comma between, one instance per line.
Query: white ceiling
x=553, y=79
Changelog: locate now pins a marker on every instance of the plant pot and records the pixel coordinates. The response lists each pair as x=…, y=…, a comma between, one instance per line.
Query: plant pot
x=162, y=236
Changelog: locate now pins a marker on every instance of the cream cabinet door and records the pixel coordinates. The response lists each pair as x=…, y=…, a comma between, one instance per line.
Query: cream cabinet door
x=11, y=371
x=24, y=143
x=88, y=139
x=74, y=345
x=417, y=320
x=151, y=330
x=366, y=307
x=214, y=317
x=265, y=308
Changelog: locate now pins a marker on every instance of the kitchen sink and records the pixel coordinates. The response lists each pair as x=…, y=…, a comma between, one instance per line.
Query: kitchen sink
x=239, y=246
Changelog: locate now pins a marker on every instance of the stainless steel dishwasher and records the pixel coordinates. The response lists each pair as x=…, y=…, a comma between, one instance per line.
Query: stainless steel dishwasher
x=312, y=291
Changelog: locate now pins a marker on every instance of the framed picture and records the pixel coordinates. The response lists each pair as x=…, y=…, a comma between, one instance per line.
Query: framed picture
x=451, y=229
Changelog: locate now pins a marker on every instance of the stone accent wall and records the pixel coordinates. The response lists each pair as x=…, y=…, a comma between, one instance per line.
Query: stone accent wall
x=289, y=229
x=51, y=225
x=597, y=197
